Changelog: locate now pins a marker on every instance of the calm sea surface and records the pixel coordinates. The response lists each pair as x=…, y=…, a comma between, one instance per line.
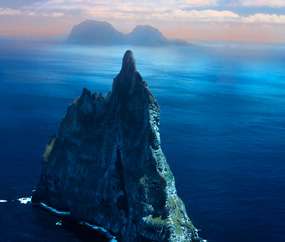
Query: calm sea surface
x=222, y=128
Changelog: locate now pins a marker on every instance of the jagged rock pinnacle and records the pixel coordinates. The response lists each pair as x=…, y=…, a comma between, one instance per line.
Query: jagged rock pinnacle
x=129, y=64
x=128, y=79
x=106, y=166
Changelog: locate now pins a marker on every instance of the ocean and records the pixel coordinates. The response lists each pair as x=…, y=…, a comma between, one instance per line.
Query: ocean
x=222, y=130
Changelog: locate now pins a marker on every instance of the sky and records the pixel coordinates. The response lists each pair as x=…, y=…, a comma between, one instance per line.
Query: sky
x=192, y=20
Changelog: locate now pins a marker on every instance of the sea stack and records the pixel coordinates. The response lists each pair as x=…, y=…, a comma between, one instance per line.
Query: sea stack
x=105, y=166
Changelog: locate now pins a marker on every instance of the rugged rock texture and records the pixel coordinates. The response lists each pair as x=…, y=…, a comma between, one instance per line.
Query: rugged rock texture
x=106, y=167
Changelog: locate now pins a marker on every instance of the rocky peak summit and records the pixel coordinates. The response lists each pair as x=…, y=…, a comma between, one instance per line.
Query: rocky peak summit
x=129, y=64
x=106, y=167
x=128, y=76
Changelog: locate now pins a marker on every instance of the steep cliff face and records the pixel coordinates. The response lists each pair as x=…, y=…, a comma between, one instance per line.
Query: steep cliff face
x=106, y=167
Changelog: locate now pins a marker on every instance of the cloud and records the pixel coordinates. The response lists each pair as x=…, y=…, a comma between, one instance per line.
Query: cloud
x=199, y=15
x=148, y=11
x=215, y=16
x=223, y=19
x=262, y=3
x=265, y=18
x=178, y=15
x=200, y=3
x=129, y=6
x=24, y=12
x=141, y=10
x=9, y=12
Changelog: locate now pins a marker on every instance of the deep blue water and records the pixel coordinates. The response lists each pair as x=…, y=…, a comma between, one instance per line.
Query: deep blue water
x=222, y=129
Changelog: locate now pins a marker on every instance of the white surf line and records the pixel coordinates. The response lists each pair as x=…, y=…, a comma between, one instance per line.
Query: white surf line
x=25, y=200
x=90, y=226
x=3, y=201
x=55, y=211
x=99, y=229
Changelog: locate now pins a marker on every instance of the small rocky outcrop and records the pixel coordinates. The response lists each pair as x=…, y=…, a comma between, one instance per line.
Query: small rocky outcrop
x=105, y=165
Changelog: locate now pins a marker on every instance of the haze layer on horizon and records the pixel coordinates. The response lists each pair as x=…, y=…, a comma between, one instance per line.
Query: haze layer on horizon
x=192, y=20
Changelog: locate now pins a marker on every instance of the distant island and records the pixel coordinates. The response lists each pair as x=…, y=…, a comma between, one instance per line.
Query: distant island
x=91, y=32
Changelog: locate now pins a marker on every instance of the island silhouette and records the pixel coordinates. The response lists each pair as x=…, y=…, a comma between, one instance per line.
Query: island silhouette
x=92, y=32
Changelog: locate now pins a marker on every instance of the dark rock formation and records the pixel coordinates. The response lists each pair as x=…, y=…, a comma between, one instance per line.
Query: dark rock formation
x=106, y=167
x=93, y=32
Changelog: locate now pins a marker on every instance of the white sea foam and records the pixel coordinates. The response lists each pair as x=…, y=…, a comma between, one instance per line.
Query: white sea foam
x=91, y=226
x=3, y=201
x=25, y=200
x=53, y=210
x=99, y=229
x=58, y=223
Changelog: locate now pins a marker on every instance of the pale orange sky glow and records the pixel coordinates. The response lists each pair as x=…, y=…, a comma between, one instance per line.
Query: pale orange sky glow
x=192, y=20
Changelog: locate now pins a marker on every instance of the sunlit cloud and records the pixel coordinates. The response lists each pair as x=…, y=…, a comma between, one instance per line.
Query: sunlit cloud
x=18, y=12
x=200, y=16
x=200, y=3
x=85, y=4
x=262, y=3
x=9, y=12
x=156, y=11
x=168, y=15
x=265, y=19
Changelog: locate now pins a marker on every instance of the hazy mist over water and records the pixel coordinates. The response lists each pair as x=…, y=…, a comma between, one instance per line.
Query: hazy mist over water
x=222, y=129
